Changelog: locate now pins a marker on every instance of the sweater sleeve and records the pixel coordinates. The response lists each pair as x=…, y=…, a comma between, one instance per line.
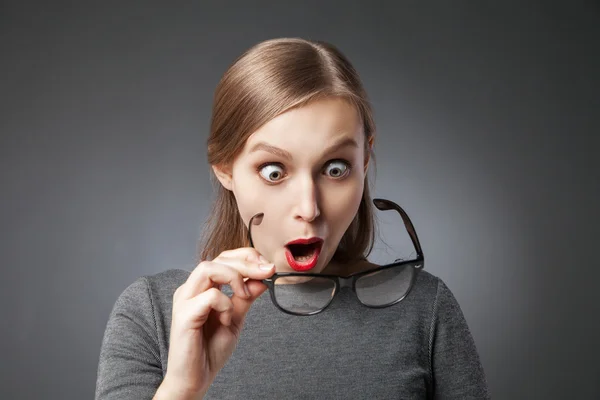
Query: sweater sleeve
x=456, y=367
x=129, y=366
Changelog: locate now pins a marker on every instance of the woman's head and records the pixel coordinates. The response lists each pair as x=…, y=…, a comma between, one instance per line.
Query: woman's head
x=291, y=136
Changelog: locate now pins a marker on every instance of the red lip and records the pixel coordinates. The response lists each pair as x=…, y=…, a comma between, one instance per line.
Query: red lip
x=308, y=264
x=305, y=241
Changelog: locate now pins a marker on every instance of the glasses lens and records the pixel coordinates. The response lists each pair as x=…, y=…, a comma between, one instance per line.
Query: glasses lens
x=303, y=295
x=385, y=287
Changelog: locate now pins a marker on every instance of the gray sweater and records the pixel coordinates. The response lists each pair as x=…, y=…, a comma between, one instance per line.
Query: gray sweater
x=419, y=348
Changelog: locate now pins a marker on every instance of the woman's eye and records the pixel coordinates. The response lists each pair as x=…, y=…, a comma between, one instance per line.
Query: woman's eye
x=271, y=172
x=337, y=169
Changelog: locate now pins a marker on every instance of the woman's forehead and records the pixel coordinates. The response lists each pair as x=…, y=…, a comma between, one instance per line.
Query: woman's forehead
x=324, y=121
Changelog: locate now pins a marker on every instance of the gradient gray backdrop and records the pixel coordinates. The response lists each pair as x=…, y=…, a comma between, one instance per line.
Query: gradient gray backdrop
x=487, y=117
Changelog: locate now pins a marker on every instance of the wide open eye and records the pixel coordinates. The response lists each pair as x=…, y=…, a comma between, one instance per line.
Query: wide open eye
x=272, y=172
x=337, y=169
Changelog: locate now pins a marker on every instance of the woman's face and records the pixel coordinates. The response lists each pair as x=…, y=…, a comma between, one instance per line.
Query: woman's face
x=305, y=171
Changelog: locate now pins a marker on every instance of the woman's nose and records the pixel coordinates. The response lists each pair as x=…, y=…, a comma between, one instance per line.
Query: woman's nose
x=307, y=201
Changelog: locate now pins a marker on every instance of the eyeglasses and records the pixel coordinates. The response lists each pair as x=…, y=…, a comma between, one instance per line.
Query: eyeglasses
x=300, y=293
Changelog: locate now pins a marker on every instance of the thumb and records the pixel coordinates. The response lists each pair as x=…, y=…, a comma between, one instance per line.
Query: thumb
x=242, y=305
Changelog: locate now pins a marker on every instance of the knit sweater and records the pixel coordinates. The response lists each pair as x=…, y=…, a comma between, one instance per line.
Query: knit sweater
x=420, y=348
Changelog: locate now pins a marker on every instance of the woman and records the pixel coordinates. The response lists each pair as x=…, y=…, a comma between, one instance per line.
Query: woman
x=290, y=144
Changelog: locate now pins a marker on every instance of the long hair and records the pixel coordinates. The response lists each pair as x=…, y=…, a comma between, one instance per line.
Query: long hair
x=267, y=80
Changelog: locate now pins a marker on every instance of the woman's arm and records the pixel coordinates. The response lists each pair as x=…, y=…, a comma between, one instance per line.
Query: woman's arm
x=456, y=367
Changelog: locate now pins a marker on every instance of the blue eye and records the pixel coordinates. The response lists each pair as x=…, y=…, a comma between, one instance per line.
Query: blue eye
x=337, y=169
x=271, y=172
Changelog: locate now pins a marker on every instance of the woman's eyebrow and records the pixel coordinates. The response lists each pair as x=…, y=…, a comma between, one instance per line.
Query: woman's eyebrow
x=344, y=142
x=271, y=149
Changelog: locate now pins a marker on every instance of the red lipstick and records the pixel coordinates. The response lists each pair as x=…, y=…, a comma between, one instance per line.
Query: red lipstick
x=306, y=256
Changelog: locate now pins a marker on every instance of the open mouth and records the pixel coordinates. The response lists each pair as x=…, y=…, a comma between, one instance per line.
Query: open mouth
x=302, y=255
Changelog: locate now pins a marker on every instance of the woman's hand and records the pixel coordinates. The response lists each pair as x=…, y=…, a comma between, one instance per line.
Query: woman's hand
x=206, y=323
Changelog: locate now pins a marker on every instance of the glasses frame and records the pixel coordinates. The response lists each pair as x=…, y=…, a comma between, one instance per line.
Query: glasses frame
x=350, y=281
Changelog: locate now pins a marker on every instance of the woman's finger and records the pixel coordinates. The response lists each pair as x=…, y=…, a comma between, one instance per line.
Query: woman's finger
x=210, y=274
x=245, y=253
x=195, y=311
x=223, y=271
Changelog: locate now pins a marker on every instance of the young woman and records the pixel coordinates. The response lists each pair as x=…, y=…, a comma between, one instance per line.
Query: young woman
x=290, y=144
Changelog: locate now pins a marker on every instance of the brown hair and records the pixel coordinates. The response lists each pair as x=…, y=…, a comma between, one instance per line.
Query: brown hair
x=267, y=80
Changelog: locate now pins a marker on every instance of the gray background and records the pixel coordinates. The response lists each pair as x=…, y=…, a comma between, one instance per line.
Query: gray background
x=488, y=128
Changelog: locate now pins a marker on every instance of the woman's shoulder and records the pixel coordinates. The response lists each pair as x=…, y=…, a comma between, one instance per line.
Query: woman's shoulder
x=426, y=288
x=168, y=278
x=162, y=285
x=428, y=280
x=153, y=290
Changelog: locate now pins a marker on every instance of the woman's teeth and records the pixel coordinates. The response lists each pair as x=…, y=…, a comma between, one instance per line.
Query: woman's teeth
x=303, y=257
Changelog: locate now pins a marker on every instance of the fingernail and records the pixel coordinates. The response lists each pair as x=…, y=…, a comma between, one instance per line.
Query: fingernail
x=266, y=267
x=247, y=290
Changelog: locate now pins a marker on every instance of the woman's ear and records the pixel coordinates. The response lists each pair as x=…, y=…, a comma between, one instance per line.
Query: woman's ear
x=368, y=153
x=223, y=175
